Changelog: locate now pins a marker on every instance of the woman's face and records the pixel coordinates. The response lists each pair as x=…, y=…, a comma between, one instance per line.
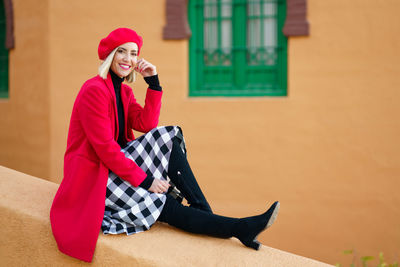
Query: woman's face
x=125, y=59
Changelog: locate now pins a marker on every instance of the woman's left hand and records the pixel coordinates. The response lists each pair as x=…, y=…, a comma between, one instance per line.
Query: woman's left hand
x=145, y=68
x=159, y=186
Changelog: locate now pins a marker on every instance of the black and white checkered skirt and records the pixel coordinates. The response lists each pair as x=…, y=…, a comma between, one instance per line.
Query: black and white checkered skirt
x=132, y=209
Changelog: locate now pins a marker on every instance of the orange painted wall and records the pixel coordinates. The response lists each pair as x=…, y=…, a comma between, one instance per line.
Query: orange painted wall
x=24, y=120
x=329, y=151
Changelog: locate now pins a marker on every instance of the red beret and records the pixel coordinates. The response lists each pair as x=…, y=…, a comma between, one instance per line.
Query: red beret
x=116, y=38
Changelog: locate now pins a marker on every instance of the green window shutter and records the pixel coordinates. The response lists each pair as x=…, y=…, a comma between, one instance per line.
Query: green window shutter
x=237, y=48
x=3, y=54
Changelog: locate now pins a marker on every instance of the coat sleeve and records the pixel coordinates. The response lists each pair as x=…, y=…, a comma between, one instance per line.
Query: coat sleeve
x=143, y=119
x=93, y=111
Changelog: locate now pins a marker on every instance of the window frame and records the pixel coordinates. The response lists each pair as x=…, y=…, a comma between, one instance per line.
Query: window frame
x=4, y=55
x=196, y=75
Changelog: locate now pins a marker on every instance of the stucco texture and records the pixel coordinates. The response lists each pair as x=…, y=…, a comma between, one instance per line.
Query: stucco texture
x=329, y=151
x=24, y=120
x=27, y=239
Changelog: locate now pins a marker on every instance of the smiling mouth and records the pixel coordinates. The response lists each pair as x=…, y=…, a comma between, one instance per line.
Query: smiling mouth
x=124, y=66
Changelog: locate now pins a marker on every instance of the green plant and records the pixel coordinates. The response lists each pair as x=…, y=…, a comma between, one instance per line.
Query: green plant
x=365, y=259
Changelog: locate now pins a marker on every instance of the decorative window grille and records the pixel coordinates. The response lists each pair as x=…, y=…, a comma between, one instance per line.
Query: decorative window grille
x=237, y=48
x=3, y=54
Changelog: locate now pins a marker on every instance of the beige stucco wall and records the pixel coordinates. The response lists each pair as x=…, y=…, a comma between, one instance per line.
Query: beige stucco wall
x=329, y=151
x=27, y=240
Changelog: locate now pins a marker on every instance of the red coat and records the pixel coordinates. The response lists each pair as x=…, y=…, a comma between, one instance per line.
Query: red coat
x=78, y=207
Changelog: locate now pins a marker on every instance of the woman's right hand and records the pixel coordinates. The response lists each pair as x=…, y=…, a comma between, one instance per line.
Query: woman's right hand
x=145, y=68
x=159, y=186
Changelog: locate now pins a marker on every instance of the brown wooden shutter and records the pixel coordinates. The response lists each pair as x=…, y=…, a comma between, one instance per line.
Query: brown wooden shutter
x=9, y=24
x=296, y=23
x=177, y=23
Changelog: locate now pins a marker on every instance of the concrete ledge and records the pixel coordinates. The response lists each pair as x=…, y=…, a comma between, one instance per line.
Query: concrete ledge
x=26, y=237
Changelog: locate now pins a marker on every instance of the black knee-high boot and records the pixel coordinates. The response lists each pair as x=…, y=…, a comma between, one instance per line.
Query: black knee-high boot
x=202, y=222
x=195, y=220
x=182, y=177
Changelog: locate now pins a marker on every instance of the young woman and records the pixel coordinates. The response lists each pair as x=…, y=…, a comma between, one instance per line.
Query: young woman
x=120, y=184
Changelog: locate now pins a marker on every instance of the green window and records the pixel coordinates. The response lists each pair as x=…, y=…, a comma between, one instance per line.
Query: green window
x=237, y=48
x=3, y=54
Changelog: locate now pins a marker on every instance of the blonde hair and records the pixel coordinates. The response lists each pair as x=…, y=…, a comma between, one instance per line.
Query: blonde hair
x=104, y=68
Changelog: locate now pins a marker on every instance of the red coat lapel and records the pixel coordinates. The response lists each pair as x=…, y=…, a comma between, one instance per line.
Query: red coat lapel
x=110, y=87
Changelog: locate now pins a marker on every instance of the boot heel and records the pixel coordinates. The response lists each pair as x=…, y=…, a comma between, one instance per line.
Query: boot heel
x=254, y=244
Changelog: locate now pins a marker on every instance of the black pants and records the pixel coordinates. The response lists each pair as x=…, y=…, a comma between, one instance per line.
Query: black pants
x=198, y=217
